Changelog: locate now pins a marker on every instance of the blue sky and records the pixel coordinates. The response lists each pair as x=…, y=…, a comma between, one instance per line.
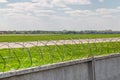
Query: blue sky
x=59, y=14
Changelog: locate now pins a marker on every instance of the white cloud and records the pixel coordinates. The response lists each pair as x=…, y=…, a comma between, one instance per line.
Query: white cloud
x=3, y=1
x=64, y=2
x=107, y=16
x=82, y=2
x=41, y=1
x=41, y=6
x=35, y=14
x=101, y=0
x=105, y=11
x=118, y=7
x=80, y=13
x=47, y=7
x=101, y=12
x=27, y=8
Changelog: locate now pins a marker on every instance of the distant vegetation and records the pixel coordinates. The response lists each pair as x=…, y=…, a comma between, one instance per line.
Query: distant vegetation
x=61, y=32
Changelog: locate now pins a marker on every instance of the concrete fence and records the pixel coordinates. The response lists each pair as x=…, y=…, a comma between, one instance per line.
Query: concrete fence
x=98, y=68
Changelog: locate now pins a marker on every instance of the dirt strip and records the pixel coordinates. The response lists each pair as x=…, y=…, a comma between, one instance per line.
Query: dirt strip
x=55, y=42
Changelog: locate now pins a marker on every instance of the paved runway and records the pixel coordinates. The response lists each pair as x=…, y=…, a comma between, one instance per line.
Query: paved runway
x=55, y=42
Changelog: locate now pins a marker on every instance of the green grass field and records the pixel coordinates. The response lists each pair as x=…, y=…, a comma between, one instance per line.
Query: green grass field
x=36, y=37
x=19, y=58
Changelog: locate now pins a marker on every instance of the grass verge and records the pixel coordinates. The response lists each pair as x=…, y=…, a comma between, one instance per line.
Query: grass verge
x=19, y=58
x=31, y=37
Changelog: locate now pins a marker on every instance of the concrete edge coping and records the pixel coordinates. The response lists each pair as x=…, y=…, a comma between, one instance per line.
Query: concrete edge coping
x=114, y=55
x=43, y=68
x=55, y=65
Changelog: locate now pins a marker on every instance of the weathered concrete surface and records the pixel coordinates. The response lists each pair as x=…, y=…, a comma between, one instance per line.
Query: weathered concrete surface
x=108, y=68
x=75, y=70
x=98, y=68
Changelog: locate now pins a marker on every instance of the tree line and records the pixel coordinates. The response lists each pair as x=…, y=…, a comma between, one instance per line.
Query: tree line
x=62, y=32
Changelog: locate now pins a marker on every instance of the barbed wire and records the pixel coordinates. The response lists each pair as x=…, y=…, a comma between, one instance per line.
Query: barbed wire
x=20, y=55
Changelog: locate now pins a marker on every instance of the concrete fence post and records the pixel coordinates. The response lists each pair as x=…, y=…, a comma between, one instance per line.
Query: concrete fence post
x=91, y=70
